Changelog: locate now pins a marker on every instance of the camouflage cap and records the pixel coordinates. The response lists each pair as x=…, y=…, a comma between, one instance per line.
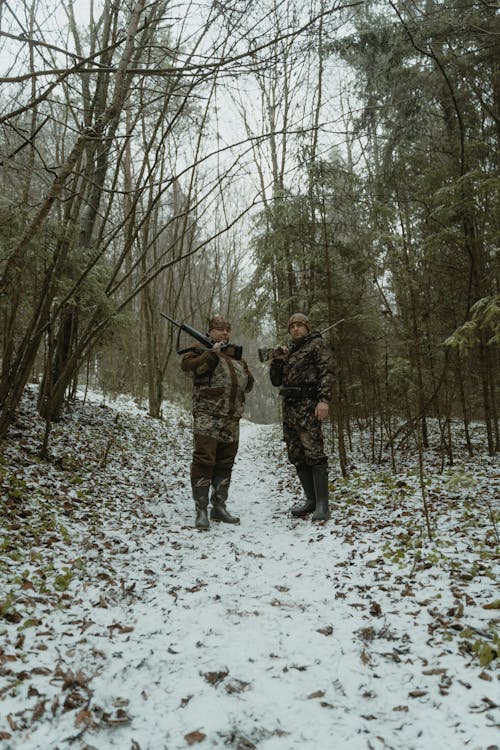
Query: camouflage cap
x=219, y=323
x=299, y=318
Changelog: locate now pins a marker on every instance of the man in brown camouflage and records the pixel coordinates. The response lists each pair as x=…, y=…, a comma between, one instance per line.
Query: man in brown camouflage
x=304, y=372
x=220, y=382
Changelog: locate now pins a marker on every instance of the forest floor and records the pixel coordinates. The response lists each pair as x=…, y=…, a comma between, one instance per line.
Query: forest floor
x=121, y=626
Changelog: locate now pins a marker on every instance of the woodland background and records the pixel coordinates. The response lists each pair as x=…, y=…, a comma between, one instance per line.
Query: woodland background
x=255, y=159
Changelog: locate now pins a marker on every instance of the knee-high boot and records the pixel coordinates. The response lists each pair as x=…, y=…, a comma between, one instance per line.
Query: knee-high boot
x=305, y=475
x=220, y=490
x=320, y=479
x=201, y=489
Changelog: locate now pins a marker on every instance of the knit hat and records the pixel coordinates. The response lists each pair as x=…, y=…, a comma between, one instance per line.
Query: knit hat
x=299, y=318
x=219, y=323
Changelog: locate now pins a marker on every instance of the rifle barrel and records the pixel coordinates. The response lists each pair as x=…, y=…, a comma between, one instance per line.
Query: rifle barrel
x=171, y=319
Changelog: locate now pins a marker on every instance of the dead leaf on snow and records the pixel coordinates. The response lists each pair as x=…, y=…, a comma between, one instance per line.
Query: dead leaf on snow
x=74, y=700
x=365, y=658
x=74, y=679
x=237, y=686
x=436, y=670
x=39, y=710
x=120, y=628
x=485, y=676
x=84, y=718
x=193, y=737
x=120, y=718
x=492, y=605
x=317, y=694
x=239, y=742
x=417, y=693
x=400, y=708
x=213, y=678
x=325, y=631
x=119, y=702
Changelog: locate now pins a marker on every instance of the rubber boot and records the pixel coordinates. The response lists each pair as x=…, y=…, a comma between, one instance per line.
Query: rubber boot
x=306, y=479
x=201, y=489
x=320, y=479
x=220, y=490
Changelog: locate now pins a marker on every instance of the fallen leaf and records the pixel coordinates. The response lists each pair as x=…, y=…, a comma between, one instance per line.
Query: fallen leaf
x=213, y=678
x=325, y=631
x=365, y=657
x=237, y=686
x=436, y=670
x=193, y=737
x=485, y=676
x=84, y=718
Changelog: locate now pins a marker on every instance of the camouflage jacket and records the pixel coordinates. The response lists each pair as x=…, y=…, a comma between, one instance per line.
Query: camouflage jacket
x=309, y=365
x=219, y=382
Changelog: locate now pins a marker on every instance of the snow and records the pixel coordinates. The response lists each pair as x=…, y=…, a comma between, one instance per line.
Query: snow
x=127, y=628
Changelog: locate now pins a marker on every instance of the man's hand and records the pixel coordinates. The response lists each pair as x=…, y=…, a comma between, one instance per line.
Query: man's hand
x=321, y=410
x=281, y=353
x=218, y=346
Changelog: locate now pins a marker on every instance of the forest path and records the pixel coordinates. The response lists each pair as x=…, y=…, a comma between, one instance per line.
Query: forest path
x=277, y=633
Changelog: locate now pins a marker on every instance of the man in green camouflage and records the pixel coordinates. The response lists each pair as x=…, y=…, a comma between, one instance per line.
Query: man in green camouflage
x=220, y=382
x=304, y=372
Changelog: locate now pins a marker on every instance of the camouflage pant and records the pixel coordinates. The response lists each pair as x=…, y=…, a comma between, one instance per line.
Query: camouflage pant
x=216, y=442
x=303, y=434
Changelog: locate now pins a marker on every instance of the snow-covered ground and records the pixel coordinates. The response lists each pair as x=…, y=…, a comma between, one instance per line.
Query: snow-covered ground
x=121, y=626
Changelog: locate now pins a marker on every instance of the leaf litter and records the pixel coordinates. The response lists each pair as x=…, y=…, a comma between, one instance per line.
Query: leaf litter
x=123, y=627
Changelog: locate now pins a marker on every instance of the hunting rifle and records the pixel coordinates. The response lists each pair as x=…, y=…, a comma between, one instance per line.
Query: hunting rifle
x=266, y=354
x=231, y=349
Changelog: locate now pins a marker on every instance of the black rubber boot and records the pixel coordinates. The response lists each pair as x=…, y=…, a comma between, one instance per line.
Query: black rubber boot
x=220, y=490
x=306, y=479
x=320, y=479
x=201, y=489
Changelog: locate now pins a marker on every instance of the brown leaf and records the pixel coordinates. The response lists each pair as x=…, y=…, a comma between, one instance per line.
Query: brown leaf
x=12, y=723
x=39, y=710
x=237, y=686
x=84, y=717
x=213, y=678
x=317, y=694
x=400, y=708
x=41, y=670
x=417, y=693
x=120, y=628
x=74, y=700
x=193, y=737
x=119, y=719
x=365, y=657
x=436, y=670
x=325, y=631
x=485, y=676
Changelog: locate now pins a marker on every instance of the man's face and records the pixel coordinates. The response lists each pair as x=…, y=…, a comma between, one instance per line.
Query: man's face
x=219, y=334
x=297, y=331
